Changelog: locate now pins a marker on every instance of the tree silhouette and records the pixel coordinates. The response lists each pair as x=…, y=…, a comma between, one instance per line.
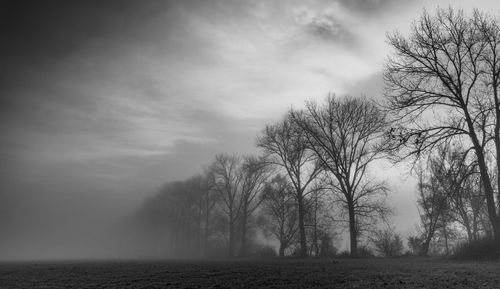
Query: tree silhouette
x=280, y=212
x=225, y=170
x=254, y=175
x=286, y=146
x=345, y=135
x=442, y=84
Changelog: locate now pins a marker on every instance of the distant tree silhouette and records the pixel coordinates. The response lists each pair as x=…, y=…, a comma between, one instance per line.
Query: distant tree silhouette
x=227, y=178
x=280, y=212
x=208, y=201
x=318, y=219
x=254, y=173
x=174, y=217
x=432, y=201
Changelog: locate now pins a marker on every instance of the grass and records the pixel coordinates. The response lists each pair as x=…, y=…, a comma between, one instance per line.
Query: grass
x=482, y=249
x=346, y=273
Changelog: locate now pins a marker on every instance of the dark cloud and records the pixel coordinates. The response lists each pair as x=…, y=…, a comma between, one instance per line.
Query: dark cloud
x=52, y=56
x=52, y=29
x=374, y=7
x=328, y=27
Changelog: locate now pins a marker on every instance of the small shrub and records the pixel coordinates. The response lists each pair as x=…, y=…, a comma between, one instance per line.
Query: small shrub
x=415, y=245
x=365, y=252
x=294, y=252
x=387, y=243
x=408, y=253
x=344, y=254
x=327, y=249
x=267, y=252
x=482, y=249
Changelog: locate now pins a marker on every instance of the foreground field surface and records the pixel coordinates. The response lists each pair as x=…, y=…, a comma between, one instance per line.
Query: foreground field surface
x=376, y=273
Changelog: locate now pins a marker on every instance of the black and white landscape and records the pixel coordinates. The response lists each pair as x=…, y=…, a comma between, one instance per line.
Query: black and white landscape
x=253, y=144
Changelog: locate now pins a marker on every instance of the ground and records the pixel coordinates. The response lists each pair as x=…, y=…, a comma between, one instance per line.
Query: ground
x=343, y=273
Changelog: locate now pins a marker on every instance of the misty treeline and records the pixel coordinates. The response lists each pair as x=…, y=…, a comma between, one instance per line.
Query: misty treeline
x=310, y=181
x=316, y=175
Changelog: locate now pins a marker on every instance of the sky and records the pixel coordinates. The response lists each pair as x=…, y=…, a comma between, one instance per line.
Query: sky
x=101, y=102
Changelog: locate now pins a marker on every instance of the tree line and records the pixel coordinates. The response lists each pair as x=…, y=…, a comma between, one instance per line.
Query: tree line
x=314, y=162
x=315, y=174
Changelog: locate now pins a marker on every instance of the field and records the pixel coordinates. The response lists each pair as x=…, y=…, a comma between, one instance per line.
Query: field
x=344, y=273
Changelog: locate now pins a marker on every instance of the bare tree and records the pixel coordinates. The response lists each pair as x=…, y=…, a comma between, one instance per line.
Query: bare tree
x=209, y=199
x=280, y=211
x=254, y=174
x=432, y=201
x=415, y=244
x=320, y=218
x=442, y=84
x=225, y=170
x=286, y=146
x=174, y=216
x=345, y=135
x=460, y=179
x=314, y=209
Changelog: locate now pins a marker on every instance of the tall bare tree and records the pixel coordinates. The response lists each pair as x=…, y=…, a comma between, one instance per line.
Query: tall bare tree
x=286, y=146
x=442, y=83
x=254, y=172
x=225, y=170
x=345, y=134
x=209, y=199
x=319, y=219
x=280, y=212
x=432, y=202
x=464, y=193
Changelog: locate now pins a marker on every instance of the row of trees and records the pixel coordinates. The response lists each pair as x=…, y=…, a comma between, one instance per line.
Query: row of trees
x=312, y=176
x=441, y=110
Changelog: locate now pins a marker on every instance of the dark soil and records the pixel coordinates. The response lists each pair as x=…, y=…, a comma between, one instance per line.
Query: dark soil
x=344, y=273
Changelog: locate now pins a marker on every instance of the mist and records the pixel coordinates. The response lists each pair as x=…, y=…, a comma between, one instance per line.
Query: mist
x=54, y=209
x=58, y=213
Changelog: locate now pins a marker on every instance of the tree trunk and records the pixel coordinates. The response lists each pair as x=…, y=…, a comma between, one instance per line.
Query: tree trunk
x=206, y=235
x=315, y=232
x=483, y=169
x=282, y=250
x=469, y=232
x=447, y=248
x=490, y=199
x=243, y=250
x=199, y=233
x=475, y=228
x=352, y=230
x=425, y=246
x=302, y=229
x=496, y=222
x=231, y=236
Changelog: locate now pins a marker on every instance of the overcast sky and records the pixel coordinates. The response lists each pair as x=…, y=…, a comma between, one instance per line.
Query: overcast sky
x=103, y=101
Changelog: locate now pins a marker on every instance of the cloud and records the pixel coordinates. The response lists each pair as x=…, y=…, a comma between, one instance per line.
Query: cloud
x=325, y=25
